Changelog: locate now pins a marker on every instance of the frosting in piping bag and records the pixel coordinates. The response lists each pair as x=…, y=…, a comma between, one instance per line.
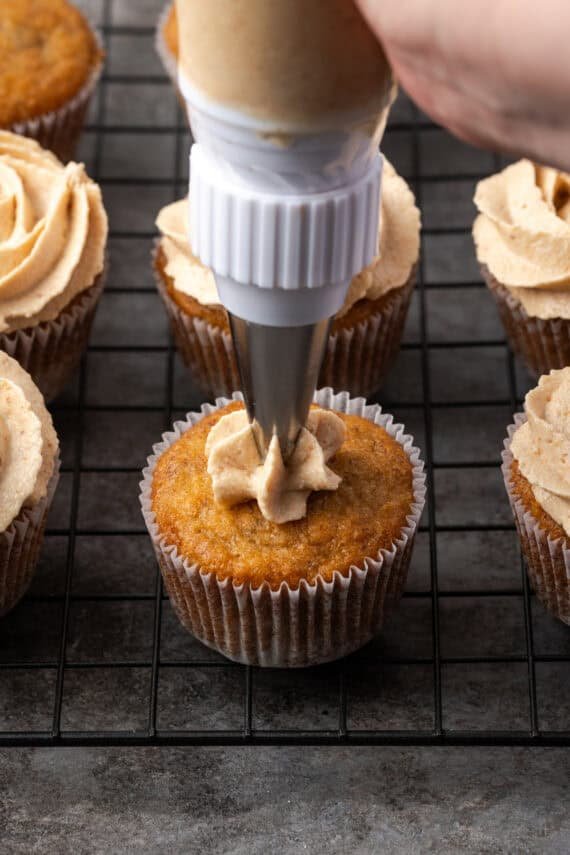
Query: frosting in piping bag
x=522, y=234
x=281, y=491
x=542, y=445
x=53, y=230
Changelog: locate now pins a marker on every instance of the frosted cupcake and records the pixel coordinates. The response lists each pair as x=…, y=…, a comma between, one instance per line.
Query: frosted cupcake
x=166, y=42
x=536, y=468
x=29, y=470
x=365, y=336
x=51, y=62
x=522, y=237
x=284, y=566
x=53, y=232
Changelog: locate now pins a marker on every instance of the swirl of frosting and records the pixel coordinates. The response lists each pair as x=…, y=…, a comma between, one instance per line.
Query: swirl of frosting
x=53, y=230
x=522, y=234
x=28, y=442
x=541, y=445
x=281, y=491
x=398, y=248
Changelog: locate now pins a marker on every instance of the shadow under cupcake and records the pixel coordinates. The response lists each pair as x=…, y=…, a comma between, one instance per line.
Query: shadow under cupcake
x=365, y=336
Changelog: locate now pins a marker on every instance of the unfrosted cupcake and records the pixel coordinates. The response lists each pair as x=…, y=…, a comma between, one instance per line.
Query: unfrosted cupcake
x=50, y=63
x=29, y=470
x=284, y=566
x=536, y=468
x=522, y=237
x=365, y=336
x=53, y=232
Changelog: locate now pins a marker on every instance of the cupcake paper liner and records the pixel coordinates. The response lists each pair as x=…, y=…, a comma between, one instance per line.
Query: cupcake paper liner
x=59, y=130
x=541, y=344
x=51, y=351
x=356, y=359
x=311, y=624
x=547, y=560
x=20, y=545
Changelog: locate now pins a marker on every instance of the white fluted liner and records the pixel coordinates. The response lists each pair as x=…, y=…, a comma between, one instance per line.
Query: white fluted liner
x=59, y=130
x=20, y=545
x=547, y=560
x=51, y=351
x=289, y=627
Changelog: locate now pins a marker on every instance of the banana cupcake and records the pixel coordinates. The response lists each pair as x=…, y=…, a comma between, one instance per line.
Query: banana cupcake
x=284, y=566
x=53, y=232
x=536, y=468
x=365, y=336
x=522, y=237
x=50, y=63
x=29, y=470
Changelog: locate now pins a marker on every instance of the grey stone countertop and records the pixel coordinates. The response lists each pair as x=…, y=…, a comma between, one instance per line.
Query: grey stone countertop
x=257, y=799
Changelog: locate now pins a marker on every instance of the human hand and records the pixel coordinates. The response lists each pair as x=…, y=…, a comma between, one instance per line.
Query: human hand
x=495, y=72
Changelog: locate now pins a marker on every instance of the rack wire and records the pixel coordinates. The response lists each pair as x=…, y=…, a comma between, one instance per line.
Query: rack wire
x=94, y=655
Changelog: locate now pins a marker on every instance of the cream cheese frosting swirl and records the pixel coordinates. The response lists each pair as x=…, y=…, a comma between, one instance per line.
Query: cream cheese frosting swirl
x=398, y=248
x=541, y=445
x=238, y=475
x=28, y=442
x=53, y=230
x=522, y=234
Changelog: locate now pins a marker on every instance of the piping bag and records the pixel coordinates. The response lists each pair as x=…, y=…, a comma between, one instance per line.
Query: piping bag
x=288, y=101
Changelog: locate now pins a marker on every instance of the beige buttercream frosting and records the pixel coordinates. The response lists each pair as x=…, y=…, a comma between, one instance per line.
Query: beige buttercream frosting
x=522, y=234
x=398, y=248
x=28, y=442
x=53, y=231
x=296, y=62
x=281, y=491
x=541, y=445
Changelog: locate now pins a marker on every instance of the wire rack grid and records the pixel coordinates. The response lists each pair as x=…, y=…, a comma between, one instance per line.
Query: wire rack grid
x=94, y=654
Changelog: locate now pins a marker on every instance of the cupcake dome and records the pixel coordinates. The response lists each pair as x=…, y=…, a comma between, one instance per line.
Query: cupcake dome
x=51, y=60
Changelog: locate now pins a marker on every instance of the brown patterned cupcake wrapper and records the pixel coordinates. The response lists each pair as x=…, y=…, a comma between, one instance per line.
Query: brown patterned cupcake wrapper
x=59, y=130
x=541, y=344
x=51, y=351
x=20, y=545
x=356, y=359
x=289, y=627
x=547, y=560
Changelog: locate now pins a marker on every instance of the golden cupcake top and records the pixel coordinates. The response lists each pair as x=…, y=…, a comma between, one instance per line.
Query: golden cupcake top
x=541, y=445
x=522, y=234
x=281, y=491
x=341, y=527
x=47, y=54
x=398, y=248
x=28, y=442
x=53, y=231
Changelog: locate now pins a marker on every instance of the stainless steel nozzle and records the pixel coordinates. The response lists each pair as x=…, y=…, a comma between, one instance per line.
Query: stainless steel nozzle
x=279, y=369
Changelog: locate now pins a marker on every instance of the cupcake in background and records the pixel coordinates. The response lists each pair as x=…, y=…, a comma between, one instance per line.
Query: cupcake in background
x=166, y=43
x=365, y=336
x=53, y=233
x=284, y=566
x=51, y=62
x=29, y=471
x=536, y=468
x=522, y=238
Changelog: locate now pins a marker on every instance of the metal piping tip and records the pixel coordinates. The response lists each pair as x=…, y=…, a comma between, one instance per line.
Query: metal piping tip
x=279, y=369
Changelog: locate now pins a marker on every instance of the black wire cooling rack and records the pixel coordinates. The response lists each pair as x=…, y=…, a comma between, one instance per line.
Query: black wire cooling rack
x=94, y=654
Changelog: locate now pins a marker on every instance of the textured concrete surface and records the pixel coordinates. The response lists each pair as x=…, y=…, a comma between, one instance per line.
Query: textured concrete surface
x=252, y=802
